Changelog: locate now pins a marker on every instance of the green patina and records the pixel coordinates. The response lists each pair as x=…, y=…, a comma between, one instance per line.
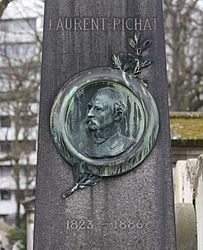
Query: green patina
x=186, y=129
x=104, y=122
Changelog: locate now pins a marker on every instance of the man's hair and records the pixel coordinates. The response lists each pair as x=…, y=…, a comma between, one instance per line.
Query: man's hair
x=119, y=105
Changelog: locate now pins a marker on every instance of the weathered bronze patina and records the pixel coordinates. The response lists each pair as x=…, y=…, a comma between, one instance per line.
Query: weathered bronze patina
x=104, y=121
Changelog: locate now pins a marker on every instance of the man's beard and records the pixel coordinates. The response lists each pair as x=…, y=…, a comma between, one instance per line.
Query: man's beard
x=95, y=132
x=92, y=124
x=99, y=134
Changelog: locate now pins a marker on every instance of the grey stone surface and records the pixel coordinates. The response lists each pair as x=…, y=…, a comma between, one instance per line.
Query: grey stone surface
x=186, y=226
x=132, y=211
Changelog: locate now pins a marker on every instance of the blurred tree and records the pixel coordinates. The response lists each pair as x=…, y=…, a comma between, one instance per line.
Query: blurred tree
x=3, y=5
x=20, y=63
x=18, y=236
x=184, y=39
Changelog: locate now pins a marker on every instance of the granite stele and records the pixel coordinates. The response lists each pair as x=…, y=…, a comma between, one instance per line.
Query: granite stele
x=104, y=173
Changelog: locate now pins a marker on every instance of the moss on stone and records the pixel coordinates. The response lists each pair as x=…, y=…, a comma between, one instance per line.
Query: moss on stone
x=186, y=115
x=186, y=129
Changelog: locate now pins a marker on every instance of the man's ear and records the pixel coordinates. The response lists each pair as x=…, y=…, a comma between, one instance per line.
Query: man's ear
x=118, y=113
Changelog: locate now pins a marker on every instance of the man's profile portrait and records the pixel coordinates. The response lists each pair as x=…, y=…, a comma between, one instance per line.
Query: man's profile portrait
x=103, y=124
x=104, y=115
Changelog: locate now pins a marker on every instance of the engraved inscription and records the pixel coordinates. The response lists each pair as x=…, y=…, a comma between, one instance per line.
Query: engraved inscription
x=130, y=224
x=91, y=224
x=102, y=24
x=79, y=224
x=134, y=23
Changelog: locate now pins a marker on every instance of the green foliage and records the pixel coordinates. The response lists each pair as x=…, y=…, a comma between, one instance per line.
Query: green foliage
x=133, y=63
x=18, y=234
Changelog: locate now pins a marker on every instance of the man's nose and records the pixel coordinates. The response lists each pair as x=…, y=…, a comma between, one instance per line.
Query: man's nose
x=90, y=113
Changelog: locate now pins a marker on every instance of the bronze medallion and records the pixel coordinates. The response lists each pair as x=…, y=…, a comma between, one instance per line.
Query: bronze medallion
x=104, y=122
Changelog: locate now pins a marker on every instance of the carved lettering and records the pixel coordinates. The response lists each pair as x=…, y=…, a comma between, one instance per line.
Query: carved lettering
x=68, y=23
x=102, y=23
x=79, y=224
x=77, y=24
x=59, y=25
x=138, y=24
x=86, y=224
x=95, y=24
x=129, y=22
x=50, y=24
x=86, y=24
x=154, y=21
x=123, y=24
x=116, y=22
x=147, y=25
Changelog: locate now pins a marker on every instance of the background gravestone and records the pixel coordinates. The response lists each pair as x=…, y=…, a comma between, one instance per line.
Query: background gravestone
x=131, y=211
x=186, y=226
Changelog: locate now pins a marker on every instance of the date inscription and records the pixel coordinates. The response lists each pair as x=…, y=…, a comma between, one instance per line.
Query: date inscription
x=79, y=224
x=91, y=224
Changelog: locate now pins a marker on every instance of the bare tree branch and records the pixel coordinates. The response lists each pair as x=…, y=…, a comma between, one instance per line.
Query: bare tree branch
x=183, y=25
x=3, y=5
x=19, y=86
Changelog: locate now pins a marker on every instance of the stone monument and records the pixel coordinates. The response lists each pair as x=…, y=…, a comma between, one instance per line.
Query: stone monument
x=104, y=172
